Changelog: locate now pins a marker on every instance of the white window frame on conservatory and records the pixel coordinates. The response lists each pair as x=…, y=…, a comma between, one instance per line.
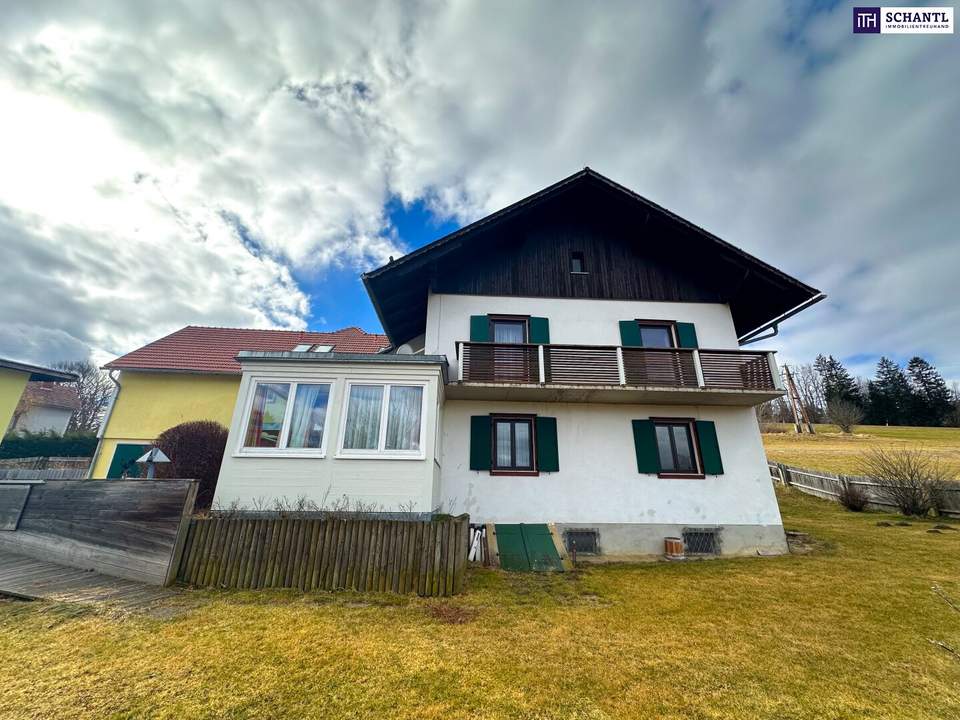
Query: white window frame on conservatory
x=381, y=453
x=283, y=450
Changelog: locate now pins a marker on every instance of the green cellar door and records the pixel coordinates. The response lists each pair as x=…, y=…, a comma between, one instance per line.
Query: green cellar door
x=527, y=547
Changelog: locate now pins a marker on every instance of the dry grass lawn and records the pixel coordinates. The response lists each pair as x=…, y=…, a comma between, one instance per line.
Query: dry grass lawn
x=831, y=450
x=841, y=632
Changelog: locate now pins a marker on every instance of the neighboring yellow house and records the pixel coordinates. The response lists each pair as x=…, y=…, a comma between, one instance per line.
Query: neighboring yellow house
x=192, y=375
x=14, y=377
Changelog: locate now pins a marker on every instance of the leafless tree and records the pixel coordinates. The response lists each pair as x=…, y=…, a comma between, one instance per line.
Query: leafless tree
x=810, y=389
x=94, y=389
x=844, y=414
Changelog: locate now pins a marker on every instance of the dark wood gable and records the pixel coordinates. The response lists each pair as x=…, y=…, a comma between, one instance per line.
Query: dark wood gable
x=631, y=249
x=624, y=257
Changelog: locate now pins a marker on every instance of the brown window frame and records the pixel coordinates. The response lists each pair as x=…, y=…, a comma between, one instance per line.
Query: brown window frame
x=532, y=471
x=516, y=319
x=691, y=425
x=671, y=325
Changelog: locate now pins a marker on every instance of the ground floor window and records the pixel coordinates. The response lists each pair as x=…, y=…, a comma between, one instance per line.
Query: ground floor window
x=513, y=448
x=287, y=416
x=676, y=447
x=383, y=418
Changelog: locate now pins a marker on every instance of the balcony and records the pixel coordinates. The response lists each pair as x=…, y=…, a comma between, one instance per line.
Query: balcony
x=598, y=373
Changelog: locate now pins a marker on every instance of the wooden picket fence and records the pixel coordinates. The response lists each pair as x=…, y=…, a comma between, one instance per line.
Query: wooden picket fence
x=367, y=555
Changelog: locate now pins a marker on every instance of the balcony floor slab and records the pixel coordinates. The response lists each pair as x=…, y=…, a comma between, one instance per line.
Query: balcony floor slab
x=612, y=394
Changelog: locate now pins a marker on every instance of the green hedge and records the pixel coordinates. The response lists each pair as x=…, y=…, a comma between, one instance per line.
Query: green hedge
x=19, y=445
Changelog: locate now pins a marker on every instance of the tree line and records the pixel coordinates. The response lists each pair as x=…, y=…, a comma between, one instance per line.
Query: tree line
x=915, y=395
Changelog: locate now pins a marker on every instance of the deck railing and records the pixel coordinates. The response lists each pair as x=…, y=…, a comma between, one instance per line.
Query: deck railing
x=613, y=365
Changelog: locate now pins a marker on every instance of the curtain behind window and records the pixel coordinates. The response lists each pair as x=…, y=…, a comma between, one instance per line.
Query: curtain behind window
x=403, y=418
x=362, y=430
x=309, y=414
x=266, y=415
x=508, y=332
x=504, y=456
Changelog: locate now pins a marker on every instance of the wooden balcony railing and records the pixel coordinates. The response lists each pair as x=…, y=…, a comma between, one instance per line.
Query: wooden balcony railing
x=613, y=365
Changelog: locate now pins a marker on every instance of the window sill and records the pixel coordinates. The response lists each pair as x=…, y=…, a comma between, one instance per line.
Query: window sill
x=518, y=473
x=682, y=476
x=377, y=456
x=313, y=455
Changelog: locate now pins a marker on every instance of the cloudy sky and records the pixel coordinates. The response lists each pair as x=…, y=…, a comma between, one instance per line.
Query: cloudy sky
x=239, y=164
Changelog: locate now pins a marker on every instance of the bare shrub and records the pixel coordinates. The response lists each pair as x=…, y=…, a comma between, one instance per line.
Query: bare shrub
x=844, y=414
x=907, y=477
x=853, y=497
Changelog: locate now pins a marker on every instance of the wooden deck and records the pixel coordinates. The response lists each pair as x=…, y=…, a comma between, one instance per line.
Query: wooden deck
x=26, y=578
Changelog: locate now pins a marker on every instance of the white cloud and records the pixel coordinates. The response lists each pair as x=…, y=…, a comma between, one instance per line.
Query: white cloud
x=170, y=163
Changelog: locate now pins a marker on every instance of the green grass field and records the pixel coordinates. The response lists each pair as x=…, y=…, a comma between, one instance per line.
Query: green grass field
x=830, y=450
x=841, y=632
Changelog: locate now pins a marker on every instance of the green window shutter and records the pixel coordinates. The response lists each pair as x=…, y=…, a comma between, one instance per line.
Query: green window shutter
x=548, y=454
x=630, y=334
x=539, y=331
x=645, y=443
x=479, y=328
x=480, y=442
x=709, y=448
x=687, y=335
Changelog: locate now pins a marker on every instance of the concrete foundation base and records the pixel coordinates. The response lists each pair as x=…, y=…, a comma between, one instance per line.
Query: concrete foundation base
x=638, y=540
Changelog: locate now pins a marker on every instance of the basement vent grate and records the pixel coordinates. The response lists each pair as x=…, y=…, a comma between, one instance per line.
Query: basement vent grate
x=701, y=541
x=585, y=540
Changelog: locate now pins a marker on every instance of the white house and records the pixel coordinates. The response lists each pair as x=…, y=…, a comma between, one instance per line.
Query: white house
x=46, y=407
x=572, y=359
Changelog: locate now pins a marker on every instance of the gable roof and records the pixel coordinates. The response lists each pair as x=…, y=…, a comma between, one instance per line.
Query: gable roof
x=757, y=292
x=52, y=395
x=214, y=349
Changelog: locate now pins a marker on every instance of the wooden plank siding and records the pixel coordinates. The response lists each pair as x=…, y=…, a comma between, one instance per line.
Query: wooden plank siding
x=361, y=554
x=124, y=528
x=627, y=248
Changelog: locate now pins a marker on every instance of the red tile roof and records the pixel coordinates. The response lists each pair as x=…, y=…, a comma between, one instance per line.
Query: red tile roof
x=213, y=349
x=51, y=394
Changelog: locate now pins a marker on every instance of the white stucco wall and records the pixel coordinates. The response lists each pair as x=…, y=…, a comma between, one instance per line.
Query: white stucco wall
x=390, y=484
x=598, y=480
x=45, y=419
x=572, y=321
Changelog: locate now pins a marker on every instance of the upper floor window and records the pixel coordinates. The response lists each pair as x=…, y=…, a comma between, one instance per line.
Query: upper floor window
x=576, y=263
x=383, y=419
x=508, y=329
x=657, y=335
x=287, y=416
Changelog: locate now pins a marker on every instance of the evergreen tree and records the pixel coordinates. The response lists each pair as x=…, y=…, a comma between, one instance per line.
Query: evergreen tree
x=931, y=396
x=888, y=395
x=838, y=384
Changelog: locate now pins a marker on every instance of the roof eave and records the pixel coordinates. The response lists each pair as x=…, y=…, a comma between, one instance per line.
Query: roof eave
x=38, y=372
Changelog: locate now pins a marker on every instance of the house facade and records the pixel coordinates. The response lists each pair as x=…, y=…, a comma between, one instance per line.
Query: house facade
x=14, y=378
x=46, y=407
x=573, y=359
x=192, y=374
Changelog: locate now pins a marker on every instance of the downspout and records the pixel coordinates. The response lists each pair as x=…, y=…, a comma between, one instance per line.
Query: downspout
x=103, y=425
